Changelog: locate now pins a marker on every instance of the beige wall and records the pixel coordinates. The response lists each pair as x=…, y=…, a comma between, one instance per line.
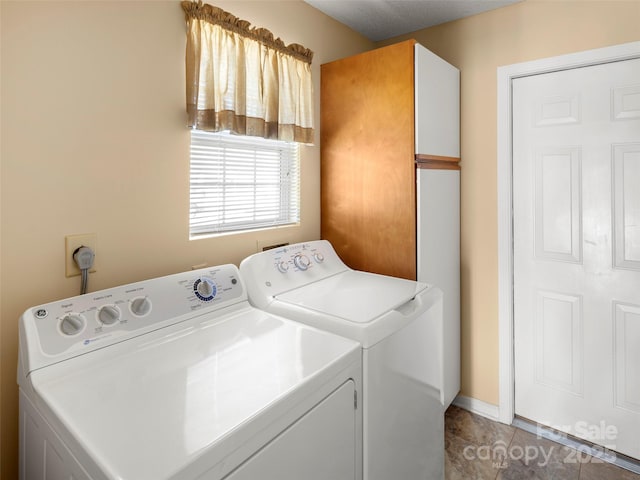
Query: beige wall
x=94, y=140
x=477, y=46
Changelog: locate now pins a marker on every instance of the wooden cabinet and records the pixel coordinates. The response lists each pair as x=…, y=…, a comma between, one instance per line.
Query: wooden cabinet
x=373, y=114
x=367, y=169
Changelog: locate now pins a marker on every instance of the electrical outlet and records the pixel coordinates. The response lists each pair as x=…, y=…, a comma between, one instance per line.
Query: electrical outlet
x=71, y=244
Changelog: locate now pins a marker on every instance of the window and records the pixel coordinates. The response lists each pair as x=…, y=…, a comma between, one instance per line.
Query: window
x=242, y=183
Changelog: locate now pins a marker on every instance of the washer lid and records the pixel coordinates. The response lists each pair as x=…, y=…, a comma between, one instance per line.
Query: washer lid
x=354, y=296
x=150, y=410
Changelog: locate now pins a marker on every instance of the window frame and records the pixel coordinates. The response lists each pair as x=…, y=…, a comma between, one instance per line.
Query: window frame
x=233, y=180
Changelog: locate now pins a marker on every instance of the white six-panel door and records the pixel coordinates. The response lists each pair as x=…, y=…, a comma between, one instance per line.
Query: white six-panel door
x=576, y=233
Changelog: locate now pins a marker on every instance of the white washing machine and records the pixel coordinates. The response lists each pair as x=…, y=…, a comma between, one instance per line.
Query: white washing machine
x=181, y=378
x=399, y=324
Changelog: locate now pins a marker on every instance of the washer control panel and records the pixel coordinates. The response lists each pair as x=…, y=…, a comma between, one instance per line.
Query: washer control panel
x=281, y=269
x=300, y=257
x=97, y=319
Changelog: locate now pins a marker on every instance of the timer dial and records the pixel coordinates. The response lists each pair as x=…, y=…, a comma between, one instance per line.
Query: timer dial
x=72, y=324
x=205, y=289
x=140, y=306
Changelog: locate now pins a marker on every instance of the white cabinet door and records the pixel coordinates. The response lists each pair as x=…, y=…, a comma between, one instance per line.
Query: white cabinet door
x=576, y=184
x=319, y=446
x=437, y=105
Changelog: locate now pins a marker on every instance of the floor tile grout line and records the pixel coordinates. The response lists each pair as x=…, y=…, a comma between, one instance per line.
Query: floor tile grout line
x=580, y=470
x=513, y=436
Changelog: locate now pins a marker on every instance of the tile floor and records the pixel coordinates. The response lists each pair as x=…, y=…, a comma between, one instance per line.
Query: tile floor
x=480, y=449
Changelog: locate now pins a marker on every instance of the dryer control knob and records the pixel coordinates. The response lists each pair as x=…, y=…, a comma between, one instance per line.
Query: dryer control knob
x=140, y=306
x=109, y=314
x=72, y=324
x=301, y=261
x=205, y=289
x=283, y=266
x=318, y=257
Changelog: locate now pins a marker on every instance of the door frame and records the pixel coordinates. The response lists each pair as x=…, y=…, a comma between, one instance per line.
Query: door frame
x=506, y=74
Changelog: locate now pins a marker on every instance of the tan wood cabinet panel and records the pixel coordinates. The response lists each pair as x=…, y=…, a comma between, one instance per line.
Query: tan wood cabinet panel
x=367, y=170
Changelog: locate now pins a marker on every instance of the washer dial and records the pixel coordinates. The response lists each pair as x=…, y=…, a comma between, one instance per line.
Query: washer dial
x=205, y=289
x=301, y=261
x=283, y=266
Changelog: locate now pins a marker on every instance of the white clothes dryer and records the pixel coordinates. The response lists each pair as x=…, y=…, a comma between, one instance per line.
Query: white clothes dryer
x=181, y=378
x=399, y=324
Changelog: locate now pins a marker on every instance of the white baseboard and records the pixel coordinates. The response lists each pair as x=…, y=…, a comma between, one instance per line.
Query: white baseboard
x=484, y=409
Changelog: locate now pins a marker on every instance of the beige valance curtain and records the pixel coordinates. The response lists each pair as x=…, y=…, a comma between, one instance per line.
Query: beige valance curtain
x=241, y=79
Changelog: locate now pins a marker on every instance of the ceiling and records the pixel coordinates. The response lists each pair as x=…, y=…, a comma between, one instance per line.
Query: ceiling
x=382, y=19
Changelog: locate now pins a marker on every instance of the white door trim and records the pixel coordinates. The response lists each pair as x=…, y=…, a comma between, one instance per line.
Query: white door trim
x=506, y=74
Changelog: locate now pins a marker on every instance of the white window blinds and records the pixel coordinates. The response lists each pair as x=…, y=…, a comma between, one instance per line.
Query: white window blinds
x=242, y=183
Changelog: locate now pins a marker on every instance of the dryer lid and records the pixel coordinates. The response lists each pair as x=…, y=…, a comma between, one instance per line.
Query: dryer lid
x=354, y=296
x=194, y=392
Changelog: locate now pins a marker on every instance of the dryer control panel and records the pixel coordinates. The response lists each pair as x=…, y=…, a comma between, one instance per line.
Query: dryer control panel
x=55, y=331
x=281, y=269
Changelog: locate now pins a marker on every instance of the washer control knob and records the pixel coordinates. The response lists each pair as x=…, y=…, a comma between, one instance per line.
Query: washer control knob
x=205, y=289
x=301, y=261
x=109, y=314
x=72, y=324
x=283, y=266
x=140, y=306
x=318, y=257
